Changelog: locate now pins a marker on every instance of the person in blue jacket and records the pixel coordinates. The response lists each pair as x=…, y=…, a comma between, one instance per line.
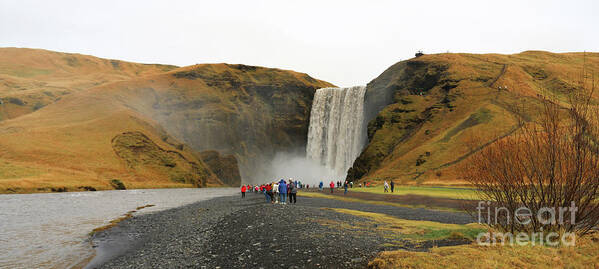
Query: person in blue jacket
x=320, y=186
x=282, y=190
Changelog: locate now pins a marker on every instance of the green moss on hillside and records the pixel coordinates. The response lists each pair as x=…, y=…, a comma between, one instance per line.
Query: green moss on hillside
x=483, y=115
x=140, y=152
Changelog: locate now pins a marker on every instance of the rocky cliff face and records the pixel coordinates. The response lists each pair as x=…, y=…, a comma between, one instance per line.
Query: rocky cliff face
x=225, y=167
x=250, y=112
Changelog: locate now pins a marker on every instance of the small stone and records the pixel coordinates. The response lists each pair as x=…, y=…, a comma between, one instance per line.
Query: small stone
x=356, y=260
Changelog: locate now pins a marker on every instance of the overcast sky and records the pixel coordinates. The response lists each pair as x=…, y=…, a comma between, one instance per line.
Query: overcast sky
x=343, y=42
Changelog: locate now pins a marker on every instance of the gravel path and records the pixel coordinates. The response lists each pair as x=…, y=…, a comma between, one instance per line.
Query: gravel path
x=229, y=232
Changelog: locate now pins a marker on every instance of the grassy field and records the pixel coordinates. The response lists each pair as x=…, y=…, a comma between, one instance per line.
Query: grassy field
x=356, y=200
x=415, y=230
x=464, y=193
x=583, y=255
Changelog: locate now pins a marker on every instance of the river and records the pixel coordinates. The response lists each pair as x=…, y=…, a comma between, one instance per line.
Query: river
x=51, y=230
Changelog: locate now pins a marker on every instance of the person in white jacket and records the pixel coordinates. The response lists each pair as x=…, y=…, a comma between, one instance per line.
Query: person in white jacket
x=275, y=190
x=386, y=186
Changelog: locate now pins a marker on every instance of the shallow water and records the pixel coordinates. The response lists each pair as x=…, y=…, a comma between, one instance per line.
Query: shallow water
x=51, y=230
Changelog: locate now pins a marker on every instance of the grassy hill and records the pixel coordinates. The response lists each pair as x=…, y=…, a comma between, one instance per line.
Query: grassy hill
x=78, y=122
x=143, y=125
x=443, y=102
x=31, y=78
x=88, y=140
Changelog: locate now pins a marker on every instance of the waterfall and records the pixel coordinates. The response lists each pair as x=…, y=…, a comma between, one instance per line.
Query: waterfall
x=337, y=132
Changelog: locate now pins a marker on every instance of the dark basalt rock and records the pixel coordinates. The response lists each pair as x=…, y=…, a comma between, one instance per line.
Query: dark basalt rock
x=224, y=167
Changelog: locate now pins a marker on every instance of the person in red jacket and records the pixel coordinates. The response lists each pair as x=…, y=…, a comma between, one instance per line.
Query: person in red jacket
x=269, y=194
x=243, y=189
x=332, y=185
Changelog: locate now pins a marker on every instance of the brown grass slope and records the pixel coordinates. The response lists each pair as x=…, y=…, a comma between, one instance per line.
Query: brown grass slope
x=32, y=78
x=442, y=101
x=88, y=139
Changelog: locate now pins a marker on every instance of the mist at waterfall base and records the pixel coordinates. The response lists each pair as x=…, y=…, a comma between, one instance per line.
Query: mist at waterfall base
x=286, y=165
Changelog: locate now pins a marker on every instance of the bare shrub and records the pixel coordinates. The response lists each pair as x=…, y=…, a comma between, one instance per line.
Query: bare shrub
x=551, y=162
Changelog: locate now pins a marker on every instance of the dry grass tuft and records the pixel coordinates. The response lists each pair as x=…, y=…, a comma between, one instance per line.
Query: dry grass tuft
x=583, y=255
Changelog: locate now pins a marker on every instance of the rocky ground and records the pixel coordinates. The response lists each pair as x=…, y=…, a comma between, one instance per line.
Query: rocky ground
x=229, y=232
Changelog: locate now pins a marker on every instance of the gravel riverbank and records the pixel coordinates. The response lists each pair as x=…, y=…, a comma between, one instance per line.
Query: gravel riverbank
x=229, y=232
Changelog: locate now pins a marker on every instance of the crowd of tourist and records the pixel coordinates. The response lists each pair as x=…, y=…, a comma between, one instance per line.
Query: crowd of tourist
x=276, y=192
x=283, y=192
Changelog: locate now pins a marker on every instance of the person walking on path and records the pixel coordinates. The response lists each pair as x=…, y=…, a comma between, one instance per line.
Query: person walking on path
x=268, y=193
x=386, y=186
x=243, y=189
x=282, y=191
x=332, y=185
x=392, y=186
x=271, y=193
x=320, y=186
x=275, y=190
x=345, y=185
x=292, y=190
x=289, y=189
